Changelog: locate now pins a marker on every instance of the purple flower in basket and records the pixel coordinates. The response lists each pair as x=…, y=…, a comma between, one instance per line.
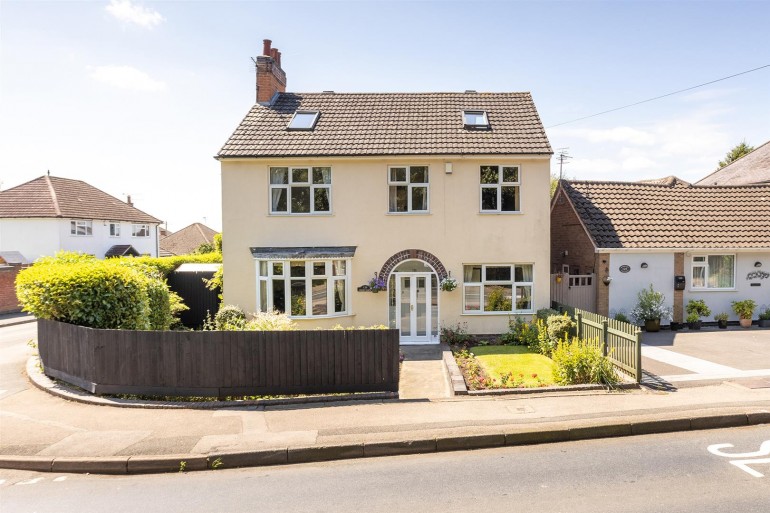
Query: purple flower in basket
x=377, y=283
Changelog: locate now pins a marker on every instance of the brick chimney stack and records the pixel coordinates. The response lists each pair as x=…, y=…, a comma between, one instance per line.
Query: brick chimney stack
x=271, y=78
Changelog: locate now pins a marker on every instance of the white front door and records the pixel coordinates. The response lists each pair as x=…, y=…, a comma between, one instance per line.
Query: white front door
x=413, y=307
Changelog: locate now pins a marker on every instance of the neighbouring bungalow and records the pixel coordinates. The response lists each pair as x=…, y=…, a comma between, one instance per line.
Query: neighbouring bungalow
x=689, y=242
x=328, y=197
x=752, y=168
x=186, y=240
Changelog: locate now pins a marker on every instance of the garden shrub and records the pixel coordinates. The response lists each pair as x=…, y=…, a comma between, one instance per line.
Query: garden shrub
x=165, y=265
x=544, y=313
x=579, y=362
x=520, y=333
x=230, y=318
x=455, y=334
x=91, y=293
x=559, y=326
x=271, y=321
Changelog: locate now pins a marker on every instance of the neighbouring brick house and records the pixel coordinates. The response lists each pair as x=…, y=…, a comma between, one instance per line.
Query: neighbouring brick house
x=186, y=240
x=324, y=192
x=633, y=234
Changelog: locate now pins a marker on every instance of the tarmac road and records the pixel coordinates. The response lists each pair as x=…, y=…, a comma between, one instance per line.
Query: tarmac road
x=14, y=352
x=673, y=472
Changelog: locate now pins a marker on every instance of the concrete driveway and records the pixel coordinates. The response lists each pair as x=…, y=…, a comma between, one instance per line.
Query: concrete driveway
x=707, y=355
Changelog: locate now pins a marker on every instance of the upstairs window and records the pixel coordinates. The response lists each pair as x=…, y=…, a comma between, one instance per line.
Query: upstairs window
x=408, y=189
x=475, y=119
x=500, y=189
x=114, y=229
x=140, y=230
x=300, y=190
x=303, y=120
x=81, y=228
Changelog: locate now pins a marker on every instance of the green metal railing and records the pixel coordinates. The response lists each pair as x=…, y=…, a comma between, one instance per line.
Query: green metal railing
x=620, y=341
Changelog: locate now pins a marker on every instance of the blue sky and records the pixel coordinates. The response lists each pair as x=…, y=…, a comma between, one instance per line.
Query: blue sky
x=136, y=97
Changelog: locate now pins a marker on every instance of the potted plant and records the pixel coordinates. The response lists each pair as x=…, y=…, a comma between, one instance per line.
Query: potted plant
x=377, y=284
x=650, y=309
x=744, y=310
x=764, y=318
x=696, y=308
x=721, y=319
x=448, y=284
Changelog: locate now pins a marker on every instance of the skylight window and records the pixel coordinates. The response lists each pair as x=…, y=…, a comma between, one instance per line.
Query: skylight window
x=303, y=120
x=475, y=119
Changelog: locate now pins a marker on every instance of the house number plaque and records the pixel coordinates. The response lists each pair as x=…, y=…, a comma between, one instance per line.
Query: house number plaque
x=624, y=268
x=757, y=275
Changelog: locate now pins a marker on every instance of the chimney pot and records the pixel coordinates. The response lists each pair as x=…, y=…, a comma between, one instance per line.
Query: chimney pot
x=278, y=58
x=128, y=200
x=266, y=46
x=274, y=54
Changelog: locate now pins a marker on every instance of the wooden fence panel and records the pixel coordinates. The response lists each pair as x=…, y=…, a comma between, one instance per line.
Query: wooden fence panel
x=620, y=341
x=215, y=363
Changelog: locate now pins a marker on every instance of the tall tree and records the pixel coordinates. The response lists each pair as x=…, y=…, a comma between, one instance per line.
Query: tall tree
x=737, y=152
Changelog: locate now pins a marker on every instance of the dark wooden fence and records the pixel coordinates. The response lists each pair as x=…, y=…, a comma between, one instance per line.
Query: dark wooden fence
x=220, y=363
x=196, y=295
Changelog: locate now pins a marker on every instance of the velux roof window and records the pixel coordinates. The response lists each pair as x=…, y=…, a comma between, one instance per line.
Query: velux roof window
x=303, y=120
x=475, y=119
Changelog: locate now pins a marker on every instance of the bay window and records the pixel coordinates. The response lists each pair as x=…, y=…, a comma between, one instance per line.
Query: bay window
x=304, y=288
x=497, y=288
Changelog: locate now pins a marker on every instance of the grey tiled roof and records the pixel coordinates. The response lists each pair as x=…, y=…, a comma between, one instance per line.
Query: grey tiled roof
x=304, y=252
x=753, y=167
x=357, y=124
x=674, y=214
x=51, y=196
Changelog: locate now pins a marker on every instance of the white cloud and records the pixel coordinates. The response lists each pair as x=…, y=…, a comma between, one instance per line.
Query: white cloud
x=126, y=77
x=129, y=12
x=621, y=134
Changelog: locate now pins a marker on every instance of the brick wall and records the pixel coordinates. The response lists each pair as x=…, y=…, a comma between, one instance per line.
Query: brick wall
x=8, y=301
x=602, y=265
x=567, y=234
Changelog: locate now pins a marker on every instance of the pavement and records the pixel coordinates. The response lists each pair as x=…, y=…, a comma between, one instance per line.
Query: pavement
x=46, y=432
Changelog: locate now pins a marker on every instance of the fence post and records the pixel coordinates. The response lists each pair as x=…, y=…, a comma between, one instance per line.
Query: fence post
x=605, y=335
x=638, y=356
x=579, y=318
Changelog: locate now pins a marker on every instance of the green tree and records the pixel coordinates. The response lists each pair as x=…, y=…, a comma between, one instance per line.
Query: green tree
x=738, y=151
x=554, y=184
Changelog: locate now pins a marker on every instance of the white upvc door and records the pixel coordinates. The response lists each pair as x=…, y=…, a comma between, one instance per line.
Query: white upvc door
x=413, y=307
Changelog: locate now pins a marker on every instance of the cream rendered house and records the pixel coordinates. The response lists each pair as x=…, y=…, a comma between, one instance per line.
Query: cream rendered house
x=324, y=192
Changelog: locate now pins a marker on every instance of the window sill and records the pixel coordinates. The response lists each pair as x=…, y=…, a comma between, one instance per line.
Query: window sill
x=418, y=213
x=516, y=213
x=317, y=317
x=282, y=214
x=733, y=289
x=522, y=312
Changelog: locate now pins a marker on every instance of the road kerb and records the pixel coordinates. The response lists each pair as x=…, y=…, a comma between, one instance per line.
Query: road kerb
x=759, y=417
x=720, y=421
x=461, y=443
x=660, y=426
x=35, y=463
x=165, y=463
x=325, y=453
x=537, y=437
x=250, y=459
x=374, y=449
x=78, y=465
x=600, y=431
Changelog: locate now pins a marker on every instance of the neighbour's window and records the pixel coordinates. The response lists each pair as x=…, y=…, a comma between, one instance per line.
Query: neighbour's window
x=475, y=119
x=497, y=288
x=140, y=230
x=713, y=272
x=408, y=189
x=114, y=229
x=500, y=189
x=303, y=288
x=300, y=190
x=81, y=228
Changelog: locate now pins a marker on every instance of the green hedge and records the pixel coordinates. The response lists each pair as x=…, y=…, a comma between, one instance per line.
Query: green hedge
x=117, y=293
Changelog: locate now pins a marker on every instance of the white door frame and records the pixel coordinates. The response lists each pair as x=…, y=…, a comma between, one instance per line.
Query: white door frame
x=428, y=338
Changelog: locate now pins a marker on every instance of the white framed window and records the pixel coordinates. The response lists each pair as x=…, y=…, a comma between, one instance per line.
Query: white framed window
x=300, y=190
x=408, y=189
x=475, y=119
x=81, y=228
x=713, y=272
x=504, y=288
x=303, y=120
x=114, y=229
x=140, y=230
x=500, y=188
x=304, y=288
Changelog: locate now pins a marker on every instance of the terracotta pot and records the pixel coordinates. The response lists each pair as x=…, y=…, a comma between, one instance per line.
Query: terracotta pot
x=745, y=323
x=652, y=325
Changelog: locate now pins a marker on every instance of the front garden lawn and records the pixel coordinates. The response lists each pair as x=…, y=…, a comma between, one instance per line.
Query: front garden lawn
x=518, y=360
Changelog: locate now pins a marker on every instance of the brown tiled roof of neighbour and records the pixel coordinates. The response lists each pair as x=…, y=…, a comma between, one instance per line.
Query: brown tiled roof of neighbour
x=51, y=196
x=752, y=168
x=186, y=240
x=674, y=215
x=119, y=250
x=370, y=124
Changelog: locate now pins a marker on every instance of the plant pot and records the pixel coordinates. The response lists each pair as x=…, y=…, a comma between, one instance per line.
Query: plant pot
x=676, y=326
x=694, y=325
x=764, y=323
x=722, y=325
x=745, y=323
x=652, y=325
